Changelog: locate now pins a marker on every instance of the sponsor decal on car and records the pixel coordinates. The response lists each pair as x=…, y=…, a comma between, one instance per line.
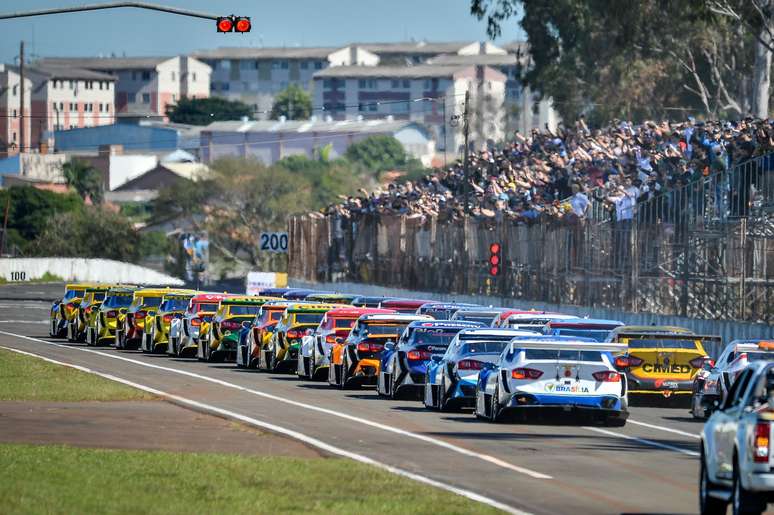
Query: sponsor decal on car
x=566, y=388
x=666, y=368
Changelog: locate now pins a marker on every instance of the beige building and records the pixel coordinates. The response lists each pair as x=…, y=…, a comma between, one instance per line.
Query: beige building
x=10, y=110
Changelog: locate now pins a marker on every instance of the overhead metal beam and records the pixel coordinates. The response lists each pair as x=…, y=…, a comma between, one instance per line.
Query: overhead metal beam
x=110, y=5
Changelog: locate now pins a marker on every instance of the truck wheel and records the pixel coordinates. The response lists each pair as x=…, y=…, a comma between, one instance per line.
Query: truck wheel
x=708, y=505
x=744, y=502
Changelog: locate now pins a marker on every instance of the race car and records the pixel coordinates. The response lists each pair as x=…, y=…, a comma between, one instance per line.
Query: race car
x=564, y=374
x=403, y=365
x=532, y=321
x=259, y=336
x=597, y=330
x=102, y=322
x=713, y=382
x=450, y=380
x=129, y=333
x=220, y=341
x=274, y=292
x=297, y=294
x=661, y=362
x=501, y=320
x=157, y=324
x=92, y=298
x=184, y=331
x=281, y=353
x=368, y=301
x=483, y=315
x=315, y=348
x=355, y=362
x=63, y=310
x=442, y=311
x=330, y=298
x=407, y=306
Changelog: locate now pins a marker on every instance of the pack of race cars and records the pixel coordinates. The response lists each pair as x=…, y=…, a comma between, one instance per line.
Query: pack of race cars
x=499, y=362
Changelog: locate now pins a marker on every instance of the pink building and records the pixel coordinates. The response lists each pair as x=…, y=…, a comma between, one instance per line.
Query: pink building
x=10, y=111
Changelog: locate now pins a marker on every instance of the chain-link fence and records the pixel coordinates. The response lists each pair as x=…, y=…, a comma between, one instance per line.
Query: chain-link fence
x=703, y=250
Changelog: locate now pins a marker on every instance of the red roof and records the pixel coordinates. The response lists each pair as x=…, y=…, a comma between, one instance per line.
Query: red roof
x=403, y=303
x=356, y=312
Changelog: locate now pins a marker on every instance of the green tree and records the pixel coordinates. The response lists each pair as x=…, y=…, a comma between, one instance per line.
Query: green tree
x=378, y=153
x=294, y=103
x=203, y=111
x=84, y=178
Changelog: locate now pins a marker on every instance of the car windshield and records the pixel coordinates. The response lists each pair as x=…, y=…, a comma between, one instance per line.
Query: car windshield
x=206, y=308
x=384, y=329
x=343, y=323
x=483, y=347
x=98, y=295
x=174, y=305
x=760, y=356
x=662, y=343
x=432, y=336
x=71, y=294
x=598, y=335
x=563, y=354
x=243, y=310
x=474, y=317
x=440, y=313
x=150, y=302
x=118, y=301
x=308, y=318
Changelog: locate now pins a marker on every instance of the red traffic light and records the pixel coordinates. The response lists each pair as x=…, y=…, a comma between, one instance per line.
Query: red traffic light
x=494, y=259
x=494, y=248
x=225, y=24
x=243, y=24
x=494, y=270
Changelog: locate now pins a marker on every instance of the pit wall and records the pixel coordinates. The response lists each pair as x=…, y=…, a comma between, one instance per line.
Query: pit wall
x=19, y=270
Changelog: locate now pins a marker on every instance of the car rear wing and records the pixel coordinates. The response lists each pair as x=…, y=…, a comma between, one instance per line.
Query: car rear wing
x=517, y=343
x=712, y=344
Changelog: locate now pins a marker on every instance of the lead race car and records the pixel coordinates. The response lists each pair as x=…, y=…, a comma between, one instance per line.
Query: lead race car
x=559, y=373
x=64, y=310
x=404, y=364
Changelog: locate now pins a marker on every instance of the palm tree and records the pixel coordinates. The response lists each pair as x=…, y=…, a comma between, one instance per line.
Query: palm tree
x=84, y=178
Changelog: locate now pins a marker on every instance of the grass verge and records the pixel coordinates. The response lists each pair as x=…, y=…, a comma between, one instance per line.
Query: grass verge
x=56, y=479
x=24, y=378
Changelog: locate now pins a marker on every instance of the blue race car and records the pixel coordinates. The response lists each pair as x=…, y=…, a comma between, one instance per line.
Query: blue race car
x=443, y=311
x=450, y=380
x=478, y=314
x=403, y=365
x=597, y=330
x=563, y=374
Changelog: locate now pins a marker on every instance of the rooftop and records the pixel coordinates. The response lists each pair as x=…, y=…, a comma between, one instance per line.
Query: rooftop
x=414, y=47
x=315, y=126
x=389, y=72
x=481, y=59
x=105, y=63
x=265, y=53
x=38, y=71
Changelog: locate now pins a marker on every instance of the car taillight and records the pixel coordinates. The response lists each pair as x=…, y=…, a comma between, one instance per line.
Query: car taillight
x=331, y=338
x=111, y=314
x=740, y=357
x=88, y=309
x=761, y=444
x=470, y=364
x=140, y=314
x=607, y=376
x=230, y=324
x=196, y=322
x=701, y=361
x=622, y=362
x=293, y=333
x=167, y=318
x=369, y=347
x=526, y=373
x=70, y=306
x=418, y=355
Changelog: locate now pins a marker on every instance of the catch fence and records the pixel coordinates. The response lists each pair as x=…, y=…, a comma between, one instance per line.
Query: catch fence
x=704, y=250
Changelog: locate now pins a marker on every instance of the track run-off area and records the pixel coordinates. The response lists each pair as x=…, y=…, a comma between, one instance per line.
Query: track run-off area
x=649, y=466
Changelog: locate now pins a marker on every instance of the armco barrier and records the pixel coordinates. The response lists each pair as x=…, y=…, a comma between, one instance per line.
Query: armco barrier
x=728, y=330
x=19, y=270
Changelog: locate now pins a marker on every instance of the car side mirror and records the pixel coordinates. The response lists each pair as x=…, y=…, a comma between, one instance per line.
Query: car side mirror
x=488, y=366
x=436, y=358
x=339, y=340
x=246, y=324
x=389, y=346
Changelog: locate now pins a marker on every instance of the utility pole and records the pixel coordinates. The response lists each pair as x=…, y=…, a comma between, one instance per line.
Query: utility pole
x=466, y=132
x=5, y=225
x=21, y=98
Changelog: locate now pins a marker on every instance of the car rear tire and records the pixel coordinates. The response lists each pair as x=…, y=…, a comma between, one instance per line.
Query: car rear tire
x=744, y=502
x=494, y=410
x=708, y=505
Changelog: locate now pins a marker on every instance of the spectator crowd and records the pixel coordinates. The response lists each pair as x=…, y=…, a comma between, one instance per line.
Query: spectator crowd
x=555, y=175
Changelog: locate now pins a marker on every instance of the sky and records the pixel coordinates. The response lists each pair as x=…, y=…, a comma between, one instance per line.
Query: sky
x=135, y=32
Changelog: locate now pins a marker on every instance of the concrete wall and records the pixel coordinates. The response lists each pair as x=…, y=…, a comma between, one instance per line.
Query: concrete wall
x=728, y=330
x=84, y=270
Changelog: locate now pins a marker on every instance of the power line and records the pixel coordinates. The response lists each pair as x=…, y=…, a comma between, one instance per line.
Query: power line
x=110, y=5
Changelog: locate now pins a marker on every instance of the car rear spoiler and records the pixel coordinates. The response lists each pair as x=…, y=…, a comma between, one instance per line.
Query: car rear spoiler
x=568, y=345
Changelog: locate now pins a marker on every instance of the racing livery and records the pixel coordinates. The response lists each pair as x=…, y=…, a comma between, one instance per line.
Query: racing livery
x=315, y=348
x=221, y=340
x=560, y=373
x=597, y=330
x=101, y=324
x=184, y=331
x=92, y=298
x=157, y=324
x=356, y=361
x=661, y=362
x=450, y=380
x=442, y=311
x=404, y=365
x=131, y=329
x=63, y=310
x=259, y=335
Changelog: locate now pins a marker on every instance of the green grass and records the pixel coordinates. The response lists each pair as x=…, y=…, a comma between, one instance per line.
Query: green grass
x=24, y=378
x=57, y=479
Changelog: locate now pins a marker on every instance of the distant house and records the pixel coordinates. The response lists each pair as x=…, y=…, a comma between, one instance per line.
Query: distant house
x=146, y=186
x=270, y=141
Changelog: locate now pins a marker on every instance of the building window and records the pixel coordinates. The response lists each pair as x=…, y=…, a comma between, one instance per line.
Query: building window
x=131, y=98
x=146, y=98
x=373, y=106
x=134, y=75
x=73, y=107
x=100, y=84
x=395, y=84
x=284, y=65
x=145, y=75
x=107, y=108
x=14, y=136
x=304, y=65
x=54, y=106
x=15, y=87
x=71, y=85
x=61, y=106
x=193, y=77
x=53, y=84
x=225, y=65
x=174, y=97
x=367, y=84
x=428, y=84
x=225, y=86
x=318, y=65
x=173, y=76
x=327, y=84
x=275, y=65
x=244, y=64
x=14, y=113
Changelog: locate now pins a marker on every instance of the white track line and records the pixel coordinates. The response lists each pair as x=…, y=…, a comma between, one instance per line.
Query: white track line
x=642, y=441
x=667, y=429
x=408, y=434
x=309, y=440
x=23, y=321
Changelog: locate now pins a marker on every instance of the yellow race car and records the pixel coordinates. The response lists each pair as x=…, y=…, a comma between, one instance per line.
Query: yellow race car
x=221, y=336
x=661, y=361
x=131, y=326
x=156, y=335
x=63, y=310
x=102, y=321
x=92, y=298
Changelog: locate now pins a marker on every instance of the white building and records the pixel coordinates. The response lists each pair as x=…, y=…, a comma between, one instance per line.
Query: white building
x=146, y=86
x=270, y=141
x=10, y=110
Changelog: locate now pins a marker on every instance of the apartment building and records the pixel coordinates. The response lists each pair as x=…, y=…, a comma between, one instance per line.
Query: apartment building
x=64, y=97
x=146, y=86
x=10, y=110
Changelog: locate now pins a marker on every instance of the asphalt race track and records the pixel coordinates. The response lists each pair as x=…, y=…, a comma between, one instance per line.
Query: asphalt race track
x=649, y=466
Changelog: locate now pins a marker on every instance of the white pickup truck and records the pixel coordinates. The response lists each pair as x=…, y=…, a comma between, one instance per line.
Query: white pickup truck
x=737, y=465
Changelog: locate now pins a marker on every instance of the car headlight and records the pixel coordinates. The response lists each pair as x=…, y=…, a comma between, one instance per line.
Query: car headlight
x=711, y=386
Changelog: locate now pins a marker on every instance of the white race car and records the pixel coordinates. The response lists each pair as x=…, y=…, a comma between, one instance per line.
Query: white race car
x=559, y=373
